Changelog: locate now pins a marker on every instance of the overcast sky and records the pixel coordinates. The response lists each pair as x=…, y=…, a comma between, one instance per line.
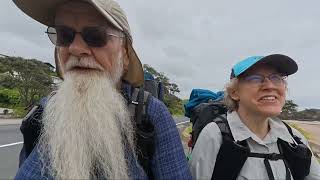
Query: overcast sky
x=196, y=42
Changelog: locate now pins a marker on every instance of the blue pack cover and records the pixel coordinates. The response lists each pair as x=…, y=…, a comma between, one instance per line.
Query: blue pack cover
x=199, y=96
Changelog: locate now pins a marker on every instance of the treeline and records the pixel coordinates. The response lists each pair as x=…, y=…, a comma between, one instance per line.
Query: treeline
x=174, y=103
x=24, y=82
x=290, y=112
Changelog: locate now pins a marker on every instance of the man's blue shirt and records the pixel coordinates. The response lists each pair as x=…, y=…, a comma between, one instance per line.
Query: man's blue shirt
x=168, y=162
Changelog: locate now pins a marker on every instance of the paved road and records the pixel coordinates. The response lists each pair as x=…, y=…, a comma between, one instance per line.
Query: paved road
x=9, y=154
x=180, y=119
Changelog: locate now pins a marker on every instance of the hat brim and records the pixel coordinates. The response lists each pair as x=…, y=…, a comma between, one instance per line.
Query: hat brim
x=282, y=63
x=44, y=11
x=134, y=75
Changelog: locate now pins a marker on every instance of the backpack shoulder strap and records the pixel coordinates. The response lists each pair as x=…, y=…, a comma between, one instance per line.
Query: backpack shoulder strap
x=31, y=126
x=230, y=151
x=145, y=133
x=139, y=104
x=224, y=127
x=296, y=138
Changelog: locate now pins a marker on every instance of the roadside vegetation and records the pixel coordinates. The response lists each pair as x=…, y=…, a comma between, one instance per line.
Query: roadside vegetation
x=24, y=82
x=171, y=89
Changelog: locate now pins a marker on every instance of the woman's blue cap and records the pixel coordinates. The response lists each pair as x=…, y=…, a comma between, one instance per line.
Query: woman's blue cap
x=284, y=64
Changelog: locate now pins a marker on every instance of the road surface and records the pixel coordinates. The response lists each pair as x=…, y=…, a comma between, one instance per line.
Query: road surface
x=9, y=152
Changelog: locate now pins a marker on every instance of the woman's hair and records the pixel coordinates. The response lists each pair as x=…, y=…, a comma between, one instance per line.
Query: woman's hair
x=231, y=104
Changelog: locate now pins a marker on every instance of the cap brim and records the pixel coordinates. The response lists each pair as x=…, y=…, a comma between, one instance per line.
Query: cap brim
x=135, y=71
x=284, y=64
x=44, y=11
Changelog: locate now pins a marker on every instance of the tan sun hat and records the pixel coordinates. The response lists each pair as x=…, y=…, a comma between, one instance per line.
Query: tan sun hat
x=44, y=11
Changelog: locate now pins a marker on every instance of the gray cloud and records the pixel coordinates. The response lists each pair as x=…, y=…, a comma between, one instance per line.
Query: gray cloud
x=196, y=42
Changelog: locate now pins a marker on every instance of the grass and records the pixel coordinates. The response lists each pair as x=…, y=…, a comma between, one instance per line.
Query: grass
x=19, y=112
x=187, y=131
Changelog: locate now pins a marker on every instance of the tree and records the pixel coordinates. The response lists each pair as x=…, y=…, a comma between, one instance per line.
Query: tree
x=31, y=78
x=170, y=88
x=289, y=110
x=173, y=103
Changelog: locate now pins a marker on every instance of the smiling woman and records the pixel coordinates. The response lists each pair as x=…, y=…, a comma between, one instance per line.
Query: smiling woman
x=252, y=143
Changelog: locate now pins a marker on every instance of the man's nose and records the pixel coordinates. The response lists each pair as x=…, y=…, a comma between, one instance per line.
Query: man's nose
x=79, y=47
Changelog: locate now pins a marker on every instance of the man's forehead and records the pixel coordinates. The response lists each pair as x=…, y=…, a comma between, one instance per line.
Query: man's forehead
x=75, y=9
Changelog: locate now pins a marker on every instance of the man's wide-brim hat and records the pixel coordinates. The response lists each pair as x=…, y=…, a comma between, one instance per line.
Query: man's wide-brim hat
x=44, y=11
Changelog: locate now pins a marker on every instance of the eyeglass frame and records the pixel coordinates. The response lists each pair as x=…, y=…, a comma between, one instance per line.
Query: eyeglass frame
x=79, y=32
x=283, y=79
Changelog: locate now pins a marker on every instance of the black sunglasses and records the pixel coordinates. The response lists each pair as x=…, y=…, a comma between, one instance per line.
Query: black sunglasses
x=93, y=36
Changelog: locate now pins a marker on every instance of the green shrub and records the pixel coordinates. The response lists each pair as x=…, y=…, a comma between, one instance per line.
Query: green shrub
x=9, y=97
x=19, y=112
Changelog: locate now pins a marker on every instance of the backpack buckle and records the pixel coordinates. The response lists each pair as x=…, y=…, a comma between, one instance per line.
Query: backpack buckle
x=134, y=102
x=274, y=156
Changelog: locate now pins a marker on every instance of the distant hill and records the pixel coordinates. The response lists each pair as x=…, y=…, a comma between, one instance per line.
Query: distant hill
x=308, y=115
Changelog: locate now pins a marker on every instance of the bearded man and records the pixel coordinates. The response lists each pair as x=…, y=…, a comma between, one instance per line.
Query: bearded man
x=87, y=130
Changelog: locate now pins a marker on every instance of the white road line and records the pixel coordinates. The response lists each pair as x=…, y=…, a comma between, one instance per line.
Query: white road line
x=12, y=144
x=182, y=123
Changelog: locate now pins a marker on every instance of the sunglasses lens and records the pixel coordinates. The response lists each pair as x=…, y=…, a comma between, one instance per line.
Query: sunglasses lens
x=64, y=35
x=94, y=37
x=52, y=34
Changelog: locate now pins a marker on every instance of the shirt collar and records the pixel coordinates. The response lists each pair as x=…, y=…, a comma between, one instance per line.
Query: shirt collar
x=238, y=129
x=241, y=132
x=279, y=130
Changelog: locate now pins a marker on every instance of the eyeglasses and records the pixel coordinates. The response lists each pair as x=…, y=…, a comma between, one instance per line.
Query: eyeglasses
x=93, y=36
x=258, y=79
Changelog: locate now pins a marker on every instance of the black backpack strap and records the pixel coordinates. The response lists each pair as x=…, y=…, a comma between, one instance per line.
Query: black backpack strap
x=140, y=109
x=230, y=151
x=145, y=133
x=297, y=157
x=272, y=157
x=224, y=127
x=31, y=127
x=296, y=138
x=133, y=102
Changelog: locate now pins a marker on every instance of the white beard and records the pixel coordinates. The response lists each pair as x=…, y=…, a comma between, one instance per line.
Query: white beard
x=84, y=124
